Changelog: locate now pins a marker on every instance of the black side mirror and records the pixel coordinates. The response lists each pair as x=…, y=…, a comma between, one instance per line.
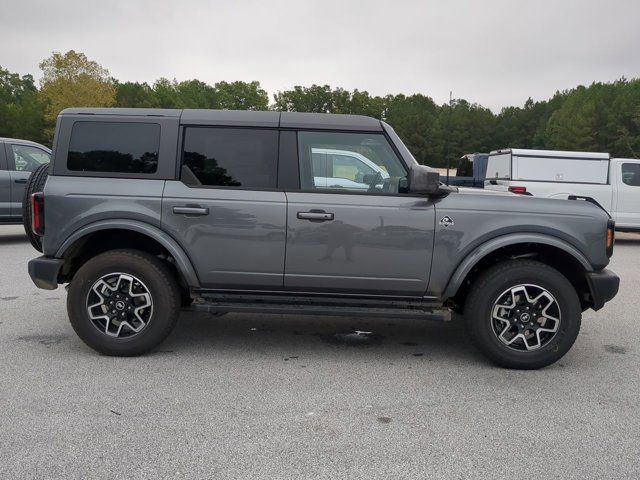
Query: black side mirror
x=423, y=180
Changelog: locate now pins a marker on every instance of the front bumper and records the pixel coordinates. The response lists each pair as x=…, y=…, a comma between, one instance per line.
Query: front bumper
x=603, y=286
x=44, y=271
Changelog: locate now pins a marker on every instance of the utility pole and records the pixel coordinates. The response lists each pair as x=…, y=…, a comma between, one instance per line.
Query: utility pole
x=446, y=144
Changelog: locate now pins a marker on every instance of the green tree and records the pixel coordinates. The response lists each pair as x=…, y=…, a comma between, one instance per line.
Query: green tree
x=135, y=95
x=241, y=96
x=72, y=80
x=21, y=110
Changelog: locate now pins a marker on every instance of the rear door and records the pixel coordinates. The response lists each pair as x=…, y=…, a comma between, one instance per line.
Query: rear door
x=369, y=239
x=225, y=209
x=22, y=159
x=5, y=186
x=627, y=213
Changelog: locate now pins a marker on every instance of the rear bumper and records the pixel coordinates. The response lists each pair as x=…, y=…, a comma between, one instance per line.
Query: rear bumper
x=603, y=286
x=44, y=272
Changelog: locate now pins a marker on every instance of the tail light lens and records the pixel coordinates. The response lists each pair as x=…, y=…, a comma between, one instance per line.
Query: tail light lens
x=518, y=190
x=611, y=236
x=37, y=213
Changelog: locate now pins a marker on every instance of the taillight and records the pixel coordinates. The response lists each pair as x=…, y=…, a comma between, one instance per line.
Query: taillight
x=518, y=190
x=611, y=236
x=37, y=213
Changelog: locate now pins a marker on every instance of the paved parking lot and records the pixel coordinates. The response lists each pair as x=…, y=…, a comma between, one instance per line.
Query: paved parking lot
x=257, y=396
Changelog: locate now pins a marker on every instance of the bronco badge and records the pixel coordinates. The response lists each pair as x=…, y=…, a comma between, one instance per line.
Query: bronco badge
x=446, y=221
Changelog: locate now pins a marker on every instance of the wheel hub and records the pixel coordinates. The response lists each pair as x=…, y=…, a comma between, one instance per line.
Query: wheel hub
x=525, y=317
x=119, y=305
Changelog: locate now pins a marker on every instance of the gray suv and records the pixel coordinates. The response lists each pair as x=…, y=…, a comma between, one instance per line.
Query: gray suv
x=18, y=158
x=146, y=211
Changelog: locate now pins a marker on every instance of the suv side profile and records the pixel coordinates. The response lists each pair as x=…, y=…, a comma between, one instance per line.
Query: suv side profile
x=18, y=158
x=148, y=211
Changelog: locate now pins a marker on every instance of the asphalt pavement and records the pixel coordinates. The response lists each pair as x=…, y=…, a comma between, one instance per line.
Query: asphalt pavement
x=285, y=397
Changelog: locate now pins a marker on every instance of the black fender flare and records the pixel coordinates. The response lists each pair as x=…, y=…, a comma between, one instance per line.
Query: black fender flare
x=494, y=244
x=183, y=263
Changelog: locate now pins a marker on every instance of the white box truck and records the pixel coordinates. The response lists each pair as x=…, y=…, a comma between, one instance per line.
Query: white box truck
x=613, y=182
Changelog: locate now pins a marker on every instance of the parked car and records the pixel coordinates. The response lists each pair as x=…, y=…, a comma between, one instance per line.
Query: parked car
x=613, y=182
x=149, y=210
x=18, y=158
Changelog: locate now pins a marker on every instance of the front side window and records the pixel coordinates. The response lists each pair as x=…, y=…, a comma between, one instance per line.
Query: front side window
x=631, y=174
x=230, y=157
x=27, y=158
x=114, y=147
x=359, y=162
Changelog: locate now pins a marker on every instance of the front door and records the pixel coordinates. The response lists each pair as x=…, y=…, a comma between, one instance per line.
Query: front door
x=225, y=210
x=627, y=212
x=5, y=187
x=23, y=159
x=366, y=239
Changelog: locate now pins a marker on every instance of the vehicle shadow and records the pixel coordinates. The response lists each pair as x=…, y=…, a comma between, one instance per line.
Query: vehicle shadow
x=13, y=239
x=293, y=336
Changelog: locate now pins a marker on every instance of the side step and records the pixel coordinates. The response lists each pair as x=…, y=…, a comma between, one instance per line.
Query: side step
x=318, y=305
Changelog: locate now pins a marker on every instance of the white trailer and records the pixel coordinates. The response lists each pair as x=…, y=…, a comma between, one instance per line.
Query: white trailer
x=613, y=182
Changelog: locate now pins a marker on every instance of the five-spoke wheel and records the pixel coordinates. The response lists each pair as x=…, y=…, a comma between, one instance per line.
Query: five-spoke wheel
x=525, y=317
x=119, y=305
x=123, y=302
x=522, y=314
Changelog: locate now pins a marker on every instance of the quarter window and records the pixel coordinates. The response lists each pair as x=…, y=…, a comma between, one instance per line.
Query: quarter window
x=357, y=162
x=230, y=157
x=631, y=174
x=114, y=147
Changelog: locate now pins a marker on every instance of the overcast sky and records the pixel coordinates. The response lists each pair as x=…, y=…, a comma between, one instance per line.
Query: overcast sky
x=494, y=52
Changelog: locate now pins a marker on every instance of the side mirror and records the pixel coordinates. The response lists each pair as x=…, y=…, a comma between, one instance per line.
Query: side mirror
x=423, y=180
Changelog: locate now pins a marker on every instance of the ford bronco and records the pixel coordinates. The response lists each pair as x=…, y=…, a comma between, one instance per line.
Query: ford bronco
x=146, y=211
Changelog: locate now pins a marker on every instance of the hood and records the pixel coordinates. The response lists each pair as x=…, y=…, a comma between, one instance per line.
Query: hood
x=482, y=191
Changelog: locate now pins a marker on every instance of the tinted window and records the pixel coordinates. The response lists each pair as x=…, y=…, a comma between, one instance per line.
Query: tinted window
x=230, y=157
x=362, y=162
x=27, y=159
x=114, y=147
x=631, y=174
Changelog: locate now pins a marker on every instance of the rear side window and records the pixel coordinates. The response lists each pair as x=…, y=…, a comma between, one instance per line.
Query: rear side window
x=631, y=174
x=230, y=157
x=27, y=158
x=114, y=147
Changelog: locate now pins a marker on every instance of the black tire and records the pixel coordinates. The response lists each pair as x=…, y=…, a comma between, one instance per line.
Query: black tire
x=35, y=184
x=155, y=276
x=490, y=287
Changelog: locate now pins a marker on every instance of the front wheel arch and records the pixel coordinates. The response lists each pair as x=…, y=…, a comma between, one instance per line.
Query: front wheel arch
x=550, y=251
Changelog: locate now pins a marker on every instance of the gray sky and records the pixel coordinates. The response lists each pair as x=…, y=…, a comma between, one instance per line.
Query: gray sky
x=494, y=52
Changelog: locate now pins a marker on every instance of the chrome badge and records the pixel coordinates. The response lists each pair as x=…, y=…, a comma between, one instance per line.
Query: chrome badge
x=446, y=221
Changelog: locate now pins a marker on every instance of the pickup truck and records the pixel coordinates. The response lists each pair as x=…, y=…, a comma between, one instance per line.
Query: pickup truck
x=144, y=212
x=614, y=183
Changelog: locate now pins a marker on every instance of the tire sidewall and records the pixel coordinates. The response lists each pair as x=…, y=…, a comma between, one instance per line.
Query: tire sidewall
x=570, y=316
x=163, y=299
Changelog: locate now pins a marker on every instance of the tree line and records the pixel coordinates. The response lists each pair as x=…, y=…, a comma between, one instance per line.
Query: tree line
x=599, y=117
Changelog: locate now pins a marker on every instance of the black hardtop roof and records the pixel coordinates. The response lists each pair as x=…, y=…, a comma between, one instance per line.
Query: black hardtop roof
x=246, y=118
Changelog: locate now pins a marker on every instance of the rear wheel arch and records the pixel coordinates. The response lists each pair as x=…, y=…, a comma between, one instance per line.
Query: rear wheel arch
x=100, y=237
x=551, y=251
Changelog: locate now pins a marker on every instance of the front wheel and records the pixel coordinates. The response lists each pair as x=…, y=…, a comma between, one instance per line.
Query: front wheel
x=123, y=302
x=523, y=314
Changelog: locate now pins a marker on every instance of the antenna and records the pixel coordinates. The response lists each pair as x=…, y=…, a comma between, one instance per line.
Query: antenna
x=446, y=148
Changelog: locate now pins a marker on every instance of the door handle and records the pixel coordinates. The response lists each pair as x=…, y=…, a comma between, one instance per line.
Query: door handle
x=316, y=216
x=20, y=180
x=190, y=211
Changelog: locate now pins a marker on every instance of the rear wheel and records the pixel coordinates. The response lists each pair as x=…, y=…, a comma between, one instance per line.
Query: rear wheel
x=123, y=302
x=35, y=184
x=523, y=314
